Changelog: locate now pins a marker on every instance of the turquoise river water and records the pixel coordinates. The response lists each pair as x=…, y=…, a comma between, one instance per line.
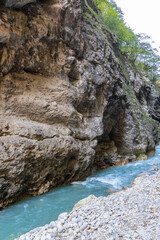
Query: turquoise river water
x=38, y=211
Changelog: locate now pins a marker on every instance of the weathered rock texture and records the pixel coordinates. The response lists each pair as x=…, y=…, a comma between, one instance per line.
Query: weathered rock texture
x=17, y=3
x=68, y=105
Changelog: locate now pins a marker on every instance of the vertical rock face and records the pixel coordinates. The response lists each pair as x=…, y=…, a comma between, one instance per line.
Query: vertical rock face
x=17, y=3
x=67, y=105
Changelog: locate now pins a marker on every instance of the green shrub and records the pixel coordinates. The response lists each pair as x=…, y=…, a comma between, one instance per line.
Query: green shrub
x=137, y=47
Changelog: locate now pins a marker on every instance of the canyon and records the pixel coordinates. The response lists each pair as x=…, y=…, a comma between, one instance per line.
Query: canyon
x=70, y=101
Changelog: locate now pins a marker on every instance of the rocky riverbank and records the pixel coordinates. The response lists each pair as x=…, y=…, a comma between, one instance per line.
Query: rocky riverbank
x=133, y=213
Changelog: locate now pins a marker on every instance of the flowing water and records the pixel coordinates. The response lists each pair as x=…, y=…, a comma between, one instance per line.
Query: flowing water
x=38, y=211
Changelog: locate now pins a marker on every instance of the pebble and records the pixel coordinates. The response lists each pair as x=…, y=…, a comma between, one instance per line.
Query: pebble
x=62, y=215
x=60, y=228
x=133, y=213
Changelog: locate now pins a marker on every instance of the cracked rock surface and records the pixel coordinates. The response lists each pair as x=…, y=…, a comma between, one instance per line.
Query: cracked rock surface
x=67, y=105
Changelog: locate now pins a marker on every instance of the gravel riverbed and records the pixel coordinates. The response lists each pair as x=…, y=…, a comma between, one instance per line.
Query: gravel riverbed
x=133, y=213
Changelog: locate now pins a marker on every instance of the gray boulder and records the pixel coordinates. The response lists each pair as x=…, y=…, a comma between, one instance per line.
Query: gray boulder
x=17, y=3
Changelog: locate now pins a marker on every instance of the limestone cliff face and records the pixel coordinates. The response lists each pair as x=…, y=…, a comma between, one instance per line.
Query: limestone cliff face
x=67, y=105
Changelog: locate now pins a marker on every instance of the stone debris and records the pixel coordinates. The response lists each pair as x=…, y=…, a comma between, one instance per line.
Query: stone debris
x=133, y=213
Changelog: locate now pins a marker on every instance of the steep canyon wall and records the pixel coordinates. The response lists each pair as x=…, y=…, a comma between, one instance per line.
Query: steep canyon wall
x=68, y=105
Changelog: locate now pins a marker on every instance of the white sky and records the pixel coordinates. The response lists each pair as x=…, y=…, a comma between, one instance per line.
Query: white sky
x=143, y=16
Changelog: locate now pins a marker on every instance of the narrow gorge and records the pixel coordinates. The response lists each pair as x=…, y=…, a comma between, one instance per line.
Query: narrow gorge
x=70, y=102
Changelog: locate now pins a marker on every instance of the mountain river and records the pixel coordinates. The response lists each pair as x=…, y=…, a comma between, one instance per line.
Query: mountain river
x=40, y=210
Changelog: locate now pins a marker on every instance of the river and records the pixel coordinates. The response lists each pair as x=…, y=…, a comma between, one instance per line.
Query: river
x=40, y=210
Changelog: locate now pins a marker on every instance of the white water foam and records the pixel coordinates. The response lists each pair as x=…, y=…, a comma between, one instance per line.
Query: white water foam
x=79, y=183
x=131, y=174
x=138, y=163
x=26, y=206
x=115, y=182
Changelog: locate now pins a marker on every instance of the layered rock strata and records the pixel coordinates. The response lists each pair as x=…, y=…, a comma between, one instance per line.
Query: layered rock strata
x=68, y=105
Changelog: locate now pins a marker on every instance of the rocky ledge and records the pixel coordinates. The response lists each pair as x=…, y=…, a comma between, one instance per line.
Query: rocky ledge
x=133, y=213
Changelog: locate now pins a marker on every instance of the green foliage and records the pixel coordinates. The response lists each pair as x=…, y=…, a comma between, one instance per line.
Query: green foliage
x=137, y=47
x=13, y=236
x=148, y=60
x=113, y=19
x=138, y=154
x=150, y=121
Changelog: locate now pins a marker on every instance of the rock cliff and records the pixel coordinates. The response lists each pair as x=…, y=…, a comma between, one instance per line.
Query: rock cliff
x=70, y=102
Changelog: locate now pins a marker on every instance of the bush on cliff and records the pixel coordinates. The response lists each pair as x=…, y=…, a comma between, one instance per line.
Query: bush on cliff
x=137, y=47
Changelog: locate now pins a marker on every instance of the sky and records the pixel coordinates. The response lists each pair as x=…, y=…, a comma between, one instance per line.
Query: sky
x=143, y=16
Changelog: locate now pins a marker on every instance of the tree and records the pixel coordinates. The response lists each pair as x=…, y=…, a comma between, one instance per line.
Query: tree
x=137, y=47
